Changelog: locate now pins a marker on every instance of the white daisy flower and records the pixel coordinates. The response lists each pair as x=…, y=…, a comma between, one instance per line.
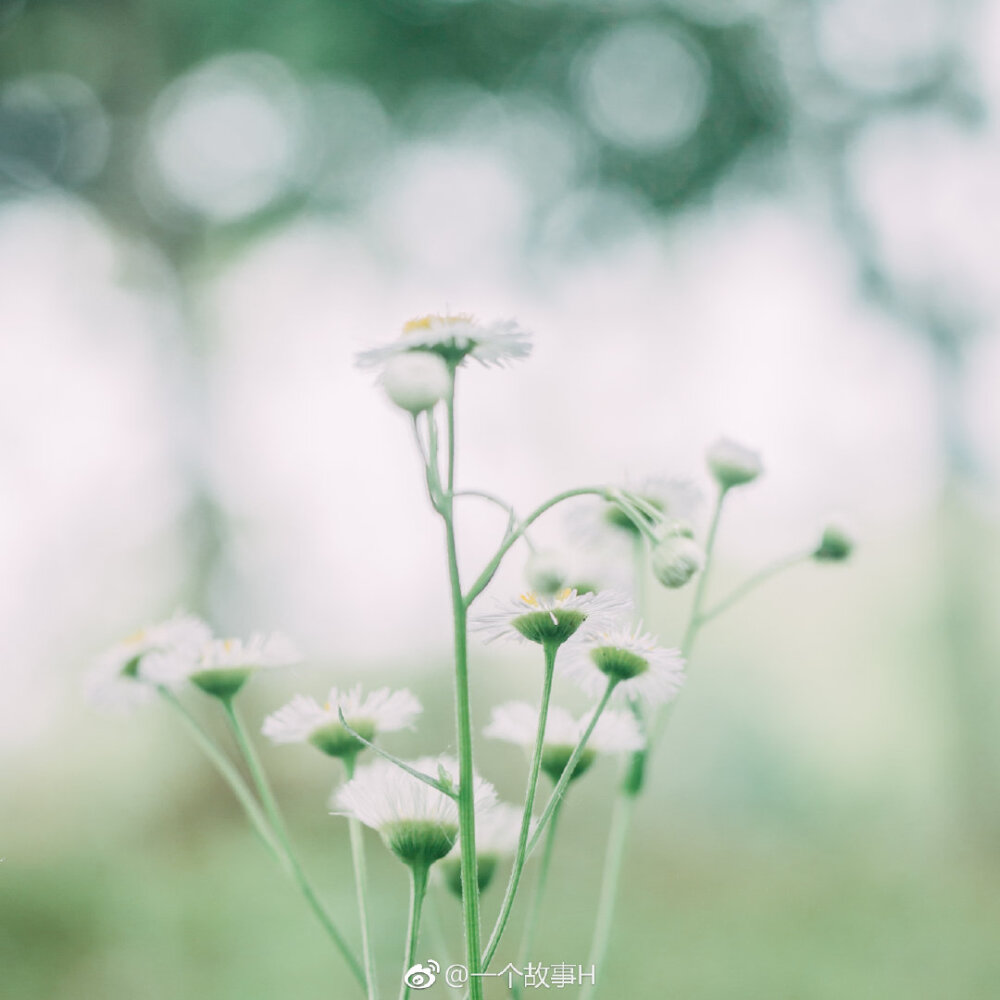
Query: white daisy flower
x=497, y=830
x=733, y=464
x=418, y=823
x=225, y=665
x=642, y=669
x=517, y=722
x=537, y=618
x=304, y=720
x=455, y=337
x=120, y=679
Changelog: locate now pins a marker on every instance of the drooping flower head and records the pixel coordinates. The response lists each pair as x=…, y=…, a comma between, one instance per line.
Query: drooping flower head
x=497, y=830
x=733, y=464
x=120, y=679
x=517, y=722
x=455, y=337
x=551, y=620
x=304, y=720
x=225, y=665
x=673, y=499
x=641, y=668
x=418, y=823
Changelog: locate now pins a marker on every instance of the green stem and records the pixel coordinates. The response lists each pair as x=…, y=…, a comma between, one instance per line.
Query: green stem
x=531, y=922
x=487, y=574
x=621, y=821
x=226, y=769
x=281, y=832
x=418, y=889
x=568, y=771
x=463, y=720
x=361, y=888
x=529, y=803
x=694, y=622
x=753, y=582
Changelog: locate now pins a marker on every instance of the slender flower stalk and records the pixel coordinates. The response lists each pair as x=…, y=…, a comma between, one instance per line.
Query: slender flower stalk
x=570, y=770
x=361, y=889
x=463, y=715
x=520, y=856
x=762, y=576
x=621, y=822
x=233, y=778
x=535, y=906
x=418, y=889
x=281, y=833
x=553, y=804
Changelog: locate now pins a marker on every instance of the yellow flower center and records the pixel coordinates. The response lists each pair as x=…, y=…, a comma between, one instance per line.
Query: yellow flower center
x=533, y=601
x=432, y=319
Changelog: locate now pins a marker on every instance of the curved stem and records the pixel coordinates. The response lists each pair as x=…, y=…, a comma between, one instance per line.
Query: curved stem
x=361, y=890
x=507, y=508
x=569, y=770
x=529, y=803
x=531, y=922
x=621, y=820
x=281, y=832
x=487, y=574
x=226, y=769
x=418, y=889
x=753, y=582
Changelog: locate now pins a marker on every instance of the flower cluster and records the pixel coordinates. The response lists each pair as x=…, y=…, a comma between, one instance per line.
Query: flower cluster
x=438, y=811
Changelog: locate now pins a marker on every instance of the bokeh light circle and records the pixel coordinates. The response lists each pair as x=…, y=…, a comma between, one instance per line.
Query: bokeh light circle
x=644, y=85
x=226, y=139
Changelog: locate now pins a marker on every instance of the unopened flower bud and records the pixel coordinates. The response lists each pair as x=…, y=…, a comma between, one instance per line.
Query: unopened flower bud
x=834, y=546
x=733, y=464
x=545, y=572
x=416, y=380
x=675, y=560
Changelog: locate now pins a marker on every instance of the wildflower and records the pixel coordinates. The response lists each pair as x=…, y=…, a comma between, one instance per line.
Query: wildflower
x=418, y=823
x=455, y=337
x=551, y=620
x=675, y=559
x=517, y=722
x=835, y=545
x=732, y=464
x=640, y=668
x=416, y=381
x=497, y=830
x=225, y=665
x=120, y=679
x=304, y=720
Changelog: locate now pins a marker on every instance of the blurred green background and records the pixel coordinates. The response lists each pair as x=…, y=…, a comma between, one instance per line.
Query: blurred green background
x=773, y=219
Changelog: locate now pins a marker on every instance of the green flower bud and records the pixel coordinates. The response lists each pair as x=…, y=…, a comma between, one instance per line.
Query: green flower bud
x=416, y=380
x=335, y=741
x=221, y=682
x=675, y=560
x=451, y=871
x=733, y=464
x=419, y=842
x=834, y=546
x=556, y=758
